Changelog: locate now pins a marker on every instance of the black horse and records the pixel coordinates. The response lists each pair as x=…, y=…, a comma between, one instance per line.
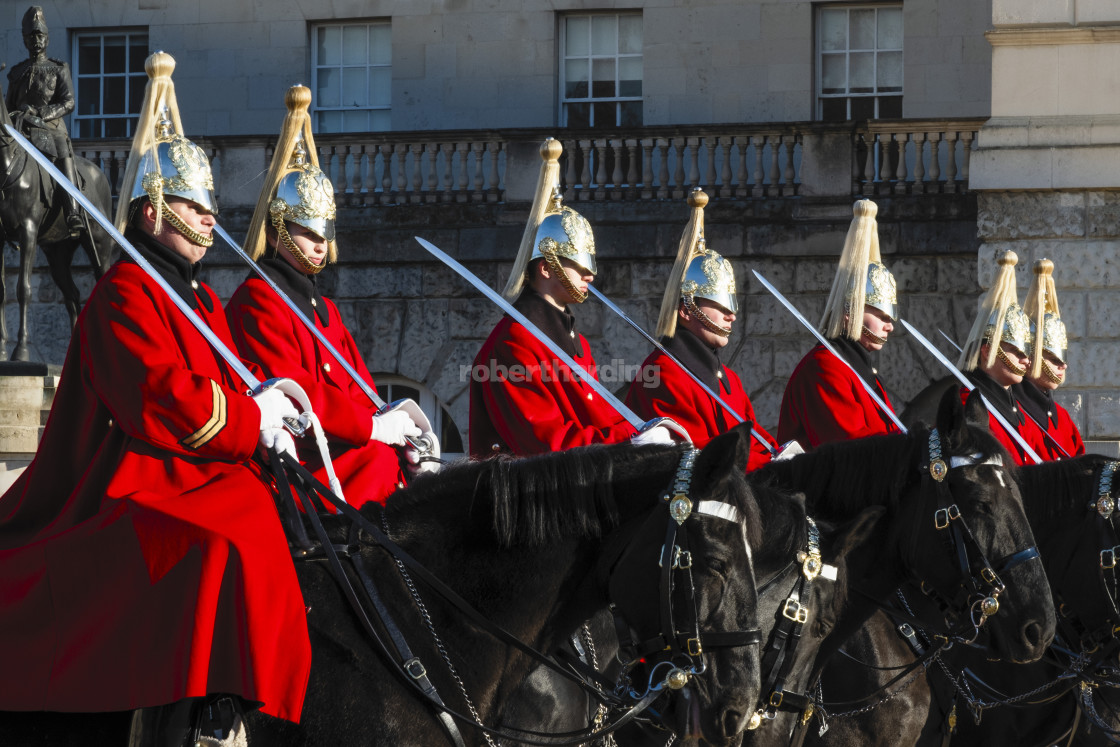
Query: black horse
x=32, y=214
x=1070, y=693
x=894, y=471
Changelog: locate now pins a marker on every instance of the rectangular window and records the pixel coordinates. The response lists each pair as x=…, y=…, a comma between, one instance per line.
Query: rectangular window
x=352, y=76
x=109, y=82
x=859, y=62
x=601, y=70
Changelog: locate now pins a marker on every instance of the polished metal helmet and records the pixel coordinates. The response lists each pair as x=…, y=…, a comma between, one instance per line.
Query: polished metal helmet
x=881, y=291
x=710, y=276
x=565, y=233
x=305, y=195
x=1053, y=336
x=1016, y=328
x=175, y=167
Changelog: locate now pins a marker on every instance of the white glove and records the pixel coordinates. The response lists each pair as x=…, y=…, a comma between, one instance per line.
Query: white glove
x=656, y=435
x=392, y=428
x=274, y=406
x=412, y=458
x=279, y=439
x=789, y=451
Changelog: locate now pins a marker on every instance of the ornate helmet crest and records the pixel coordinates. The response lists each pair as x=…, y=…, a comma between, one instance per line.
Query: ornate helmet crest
x=33, y=21
x=698, y=272
x=1042, y=304
x=162, y=162
x=295, y=189
x=553, y=230
x=861, y=279
x=999, y=318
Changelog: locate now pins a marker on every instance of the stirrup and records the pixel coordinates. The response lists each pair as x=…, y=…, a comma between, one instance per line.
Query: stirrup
x=75, y=223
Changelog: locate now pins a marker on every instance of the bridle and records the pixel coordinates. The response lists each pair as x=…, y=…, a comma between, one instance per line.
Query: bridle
x=680, y=645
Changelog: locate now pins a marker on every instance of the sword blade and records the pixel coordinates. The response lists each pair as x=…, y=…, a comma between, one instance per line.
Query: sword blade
x=227, y=355
x=652, y=341
x=1012, y=432
x=630, y=416
x=1051, y=439
x=828, y=346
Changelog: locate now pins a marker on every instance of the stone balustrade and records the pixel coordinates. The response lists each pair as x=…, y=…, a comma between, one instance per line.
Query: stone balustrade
x=883, y=157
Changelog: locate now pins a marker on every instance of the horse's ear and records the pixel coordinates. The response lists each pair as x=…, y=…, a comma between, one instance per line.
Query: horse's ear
x=951, y=420
x=724, y=454
x=975, y=414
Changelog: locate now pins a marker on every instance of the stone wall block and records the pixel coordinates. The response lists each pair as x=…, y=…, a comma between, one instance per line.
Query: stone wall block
x=1096, y=364
x=400, y=281
x=1030, y=215
x=472, y=318
x=813, y=275
x=914, y=274
x=376, y=328
x=766, y=316
x=1102, y=219
x=1102, y=415
x=754, y=362
x=1074, y=312
x=1074, y=402
x=778, y=272
x=930, y=313
x=615, y=280
x=956, y=274
x=1085, y=264
x=424, y=331
x=987, y=263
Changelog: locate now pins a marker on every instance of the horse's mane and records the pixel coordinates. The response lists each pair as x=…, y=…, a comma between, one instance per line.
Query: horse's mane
x=534, y=500
x=1053, y=489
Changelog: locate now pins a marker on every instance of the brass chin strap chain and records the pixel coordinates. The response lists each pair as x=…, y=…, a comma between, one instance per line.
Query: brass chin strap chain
x=704, y=319
x=556, y=267
x=304, y=262
x=1008, y=363
x=873, y=337
x=1050, y=374
x=193, y=236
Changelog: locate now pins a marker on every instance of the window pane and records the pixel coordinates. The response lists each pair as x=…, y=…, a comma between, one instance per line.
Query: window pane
x=380, y=86
x=834, y=29
x=863, y=107
x=113, y=103
x=602, y=79
x=380, y=44
x=889, y=77
x=136, y=85
x=86, y=128
x=114, y=54
x=330, y=45
x=577, y=36
x=380, y=121
x=834, y=73
x=327, y=90
x=631, y=113
x=890, y=107
x=861, y=29
x=630, y=76
x=355, y=88
x=834, y=110
x=862, y=72
x=137, y=53
x=89, y=95
x=575, y=79
x=330, y=122
x=116, y=128
x=604, y=115
x=604, y=35
x=355, y=43
x=449, y=439
x=578, y=115
x=355, y=121
x=630, y=34
x=890, y=28
x=89, y=55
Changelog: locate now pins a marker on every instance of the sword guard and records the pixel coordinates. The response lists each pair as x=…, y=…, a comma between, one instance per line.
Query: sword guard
x=670, y=425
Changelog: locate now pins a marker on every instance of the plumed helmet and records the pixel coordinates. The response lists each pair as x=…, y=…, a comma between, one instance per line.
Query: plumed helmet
x=698, y=272
x=999, y=318
x=295, y=189
x=861, y=279
x=162, y=161
x=553, y=231
x=1042, y=304
x=33, y=21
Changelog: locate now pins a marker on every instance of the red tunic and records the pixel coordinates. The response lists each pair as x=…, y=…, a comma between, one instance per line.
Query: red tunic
x=141, y=558
x=1060, y=428
x=269, y=334
x=524, y=401
x=824, y=400
x=662, y=389
x=1009, y=408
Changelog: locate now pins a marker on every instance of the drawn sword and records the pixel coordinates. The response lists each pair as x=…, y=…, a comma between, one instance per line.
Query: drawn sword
x=650, y=339
x=630, y=416
x=828, y=346
x=1015, y=435
x=1022, y=409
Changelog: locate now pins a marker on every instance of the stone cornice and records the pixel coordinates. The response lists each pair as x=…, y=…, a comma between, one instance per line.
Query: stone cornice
x=1034, y=37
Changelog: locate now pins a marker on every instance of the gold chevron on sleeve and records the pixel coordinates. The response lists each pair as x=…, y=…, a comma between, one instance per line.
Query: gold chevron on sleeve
x=214, y=425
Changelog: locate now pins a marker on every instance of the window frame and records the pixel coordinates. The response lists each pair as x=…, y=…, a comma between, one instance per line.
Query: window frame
x=77, y=76
x=317, y=109
x=819, y=54
x=618, y=100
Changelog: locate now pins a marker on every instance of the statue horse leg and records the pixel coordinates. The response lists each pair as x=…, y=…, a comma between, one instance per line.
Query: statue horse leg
x=28, y=245
x=59, y=257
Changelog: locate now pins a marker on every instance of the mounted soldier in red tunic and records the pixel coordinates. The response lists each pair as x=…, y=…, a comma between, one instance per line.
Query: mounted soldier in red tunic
x=697, y=311
x=1035, y=392
x=142, y=562
x=292, y=234
x=523, y=399
x=824, y=400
